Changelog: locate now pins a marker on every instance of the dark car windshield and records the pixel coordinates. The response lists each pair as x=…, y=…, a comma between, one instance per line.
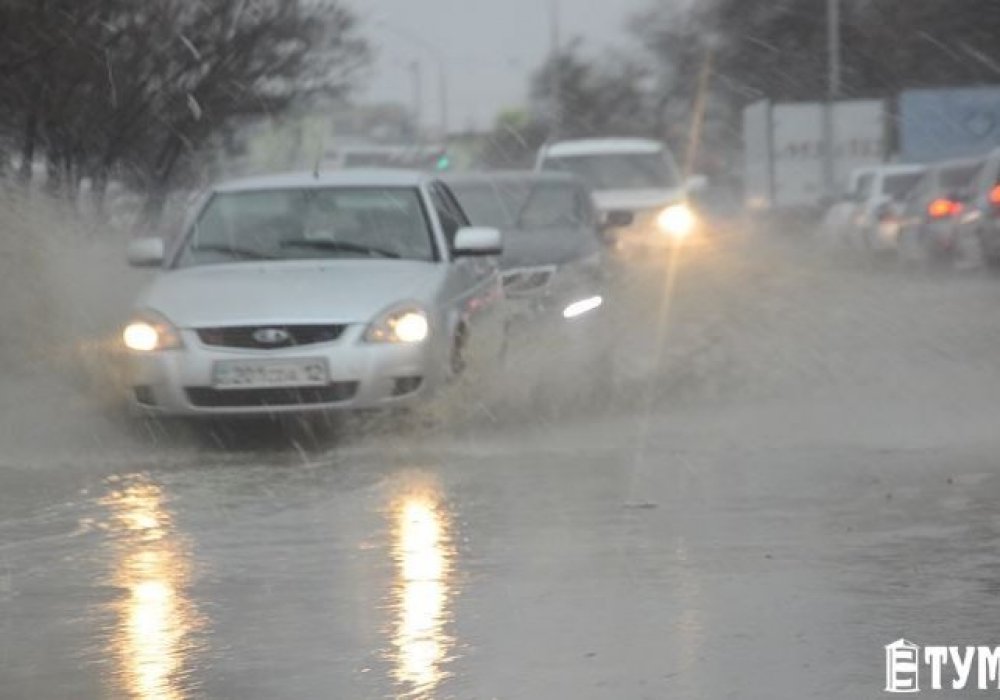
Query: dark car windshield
x=297, y=224
x=523, y=204
x=619, y=171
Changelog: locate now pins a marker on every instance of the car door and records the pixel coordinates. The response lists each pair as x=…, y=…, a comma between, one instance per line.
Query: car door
x=473, y=289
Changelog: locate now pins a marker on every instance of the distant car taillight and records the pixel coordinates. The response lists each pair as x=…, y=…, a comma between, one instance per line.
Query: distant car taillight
x=944, y=208
x=995, y=196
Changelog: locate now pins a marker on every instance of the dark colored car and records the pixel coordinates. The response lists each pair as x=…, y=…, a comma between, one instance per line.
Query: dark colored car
x=554, y=269
x=553, y=262
x=979, y=226
x=933, y=209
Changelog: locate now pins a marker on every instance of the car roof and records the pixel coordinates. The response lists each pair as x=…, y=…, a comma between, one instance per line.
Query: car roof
x=502, y=176
x=902, y=169
x=324, y=179
x=591, y=147
x=957, y=164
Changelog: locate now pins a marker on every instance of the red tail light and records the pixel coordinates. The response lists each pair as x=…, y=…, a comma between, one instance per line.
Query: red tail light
x=943, y=208
x=995, y=196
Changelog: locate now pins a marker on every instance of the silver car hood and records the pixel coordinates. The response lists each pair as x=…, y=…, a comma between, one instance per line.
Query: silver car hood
x=327, y=291
x=637, y=200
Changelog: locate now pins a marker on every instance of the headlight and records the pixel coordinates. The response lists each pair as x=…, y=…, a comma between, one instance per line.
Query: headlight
x=677, y=220
x=150, y=332
x=407, y=325
x=584, y=306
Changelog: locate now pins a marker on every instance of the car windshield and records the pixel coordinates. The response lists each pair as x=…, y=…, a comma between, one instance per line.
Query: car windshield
x=305, y=224
x=619, y=171
x=899, y=186
x=522, y=204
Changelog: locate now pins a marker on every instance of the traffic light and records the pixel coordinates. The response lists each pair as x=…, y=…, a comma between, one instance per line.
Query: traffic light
x=443, y=162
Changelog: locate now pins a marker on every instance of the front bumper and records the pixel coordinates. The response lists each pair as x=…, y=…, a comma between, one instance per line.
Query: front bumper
x=361, y=375
x=884, y=233
x=645, y=234
x=542, y=294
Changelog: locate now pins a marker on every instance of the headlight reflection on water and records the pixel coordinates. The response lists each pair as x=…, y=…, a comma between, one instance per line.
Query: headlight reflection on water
x=423, y=553
x=152, y=640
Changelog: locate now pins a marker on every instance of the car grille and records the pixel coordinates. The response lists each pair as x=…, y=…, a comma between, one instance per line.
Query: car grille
x=243, y=336
x=644, y=221
x=207, y=397
x=527, y=280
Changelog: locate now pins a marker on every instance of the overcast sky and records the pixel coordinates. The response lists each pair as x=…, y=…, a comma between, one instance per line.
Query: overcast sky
x=489, y=47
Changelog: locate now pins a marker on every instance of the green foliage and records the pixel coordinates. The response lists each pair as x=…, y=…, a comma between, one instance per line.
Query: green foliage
x=603, y=96
x=777, y=49
x=131, y=91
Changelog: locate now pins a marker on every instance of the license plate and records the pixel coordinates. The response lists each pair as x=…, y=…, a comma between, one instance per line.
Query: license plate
x=240, y=374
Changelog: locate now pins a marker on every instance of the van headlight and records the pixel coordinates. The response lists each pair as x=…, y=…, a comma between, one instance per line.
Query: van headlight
x=677, y=220
x=151, y=332
x=407, y=325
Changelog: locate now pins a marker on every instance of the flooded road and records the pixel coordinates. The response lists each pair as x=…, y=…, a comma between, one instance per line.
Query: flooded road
x=797, y=466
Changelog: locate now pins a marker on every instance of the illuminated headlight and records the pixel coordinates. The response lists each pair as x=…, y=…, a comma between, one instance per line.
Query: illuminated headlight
x=677, y=220
x=151, y=332
x=407, y=325
x=581, y=307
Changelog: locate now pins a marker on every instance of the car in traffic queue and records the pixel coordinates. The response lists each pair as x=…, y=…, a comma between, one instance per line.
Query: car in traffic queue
x=836, y=223
x=875, y=223
x=639, y=176
x=311, y=292
x=554, y=263
x=928, y=230
x=979, y=224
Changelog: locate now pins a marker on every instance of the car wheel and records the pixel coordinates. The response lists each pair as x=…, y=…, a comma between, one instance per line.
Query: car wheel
x=457, y=361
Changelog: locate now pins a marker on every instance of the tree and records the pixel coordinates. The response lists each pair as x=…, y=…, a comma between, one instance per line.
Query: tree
x=515, y=141
x=113, y=88
x=593, y=97
x=777, y=49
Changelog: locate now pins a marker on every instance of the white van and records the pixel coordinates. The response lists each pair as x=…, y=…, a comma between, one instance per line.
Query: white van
x=639, y=176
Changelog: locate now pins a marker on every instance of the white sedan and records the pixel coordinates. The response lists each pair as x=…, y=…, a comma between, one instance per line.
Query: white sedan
x=313, y=292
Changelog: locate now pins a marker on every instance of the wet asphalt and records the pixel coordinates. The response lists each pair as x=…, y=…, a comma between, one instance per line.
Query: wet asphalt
x=796, y=465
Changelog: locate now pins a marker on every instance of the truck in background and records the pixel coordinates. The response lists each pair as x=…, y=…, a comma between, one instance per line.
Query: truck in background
x=784, y=157
x=948, y=123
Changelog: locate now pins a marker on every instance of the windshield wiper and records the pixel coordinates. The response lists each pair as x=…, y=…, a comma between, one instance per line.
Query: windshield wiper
x=234, y=251
x=340, y=247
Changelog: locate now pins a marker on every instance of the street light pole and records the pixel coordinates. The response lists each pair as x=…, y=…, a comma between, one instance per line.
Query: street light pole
x=443, y=92
x=418, y=99
x=431, y=50
x=833, y=94
x=556, y=68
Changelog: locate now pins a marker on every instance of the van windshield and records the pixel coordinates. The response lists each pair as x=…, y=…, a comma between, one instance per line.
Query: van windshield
x=898, y=186
x=619, y=171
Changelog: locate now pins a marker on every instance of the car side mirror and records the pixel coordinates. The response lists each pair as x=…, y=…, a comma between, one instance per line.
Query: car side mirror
x=618, y=219
x=477, y=241
x=146, y=252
